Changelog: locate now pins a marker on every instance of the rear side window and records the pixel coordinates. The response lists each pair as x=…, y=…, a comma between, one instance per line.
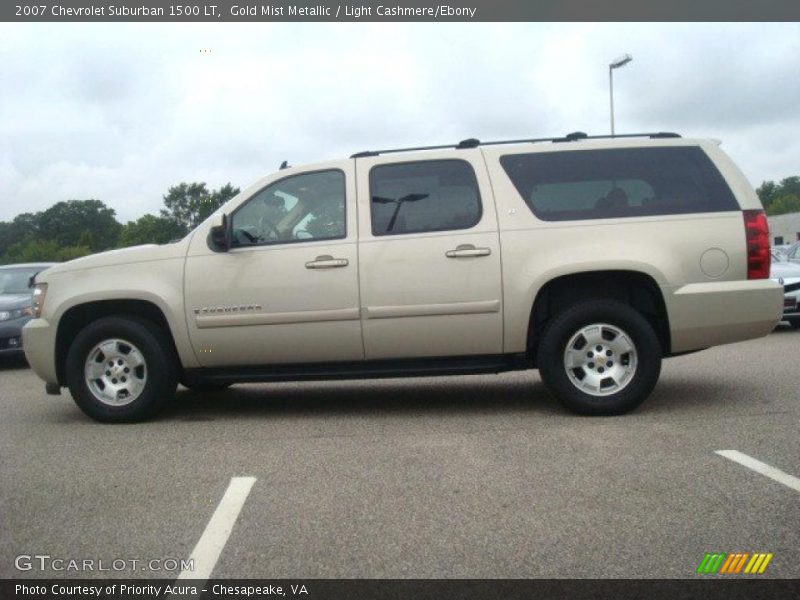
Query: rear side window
x=625, y=182
x=415, y=197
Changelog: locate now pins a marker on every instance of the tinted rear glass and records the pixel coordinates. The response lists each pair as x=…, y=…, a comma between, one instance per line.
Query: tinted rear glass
x=626, y=182
x=415, y=197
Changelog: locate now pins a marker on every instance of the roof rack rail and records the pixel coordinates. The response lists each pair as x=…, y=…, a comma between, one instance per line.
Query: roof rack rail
x=474, y=143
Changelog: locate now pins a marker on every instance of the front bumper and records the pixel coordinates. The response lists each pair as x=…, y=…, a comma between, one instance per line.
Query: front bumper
x=39, y=342
x=11, y=335
x=702, y=315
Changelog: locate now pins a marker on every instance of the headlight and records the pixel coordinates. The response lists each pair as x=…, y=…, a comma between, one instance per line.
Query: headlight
x=39, y=292
x=18, y=313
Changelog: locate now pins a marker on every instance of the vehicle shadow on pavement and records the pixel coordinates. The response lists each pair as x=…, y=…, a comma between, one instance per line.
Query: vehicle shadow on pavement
x=12, y=362
x=384, y=397
x=784, y=329
x=479, y=395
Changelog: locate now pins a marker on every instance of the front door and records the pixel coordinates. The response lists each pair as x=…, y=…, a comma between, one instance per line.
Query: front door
x=287, y=290
x=429, y=257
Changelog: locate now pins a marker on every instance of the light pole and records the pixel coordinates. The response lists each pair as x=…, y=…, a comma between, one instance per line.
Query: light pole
x=620, y=62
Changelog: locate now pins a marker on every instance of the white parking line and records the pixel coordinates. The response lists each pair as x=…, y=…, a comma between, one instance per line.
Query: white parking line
x=759, y=467
x=218, y=530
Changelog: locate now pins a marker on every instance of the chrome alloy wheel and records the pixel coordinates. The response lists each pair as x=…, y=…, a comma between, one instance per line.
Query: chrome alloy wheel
x=115, y=372
x=600, y=359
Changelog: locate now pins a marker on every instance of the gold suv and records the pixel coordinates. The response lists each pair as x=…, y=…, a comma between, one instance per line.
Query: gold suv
x=589, y=258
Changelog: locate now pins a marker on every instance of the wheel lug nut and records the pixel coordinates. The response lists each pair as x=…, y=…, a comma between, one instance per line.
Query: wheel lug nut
x=108, y=373
x=127, y=370
x=113, y=381
x=600, y=369
x=608, y=353
x=610, y=364
x=119, y=362
x=589, y=354
x=599, y=348
x=124, y=380
x=591, y=365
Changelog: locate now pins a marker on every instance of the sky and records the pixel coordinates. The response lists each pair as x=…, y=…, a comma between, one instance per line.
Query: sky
x=122, y=111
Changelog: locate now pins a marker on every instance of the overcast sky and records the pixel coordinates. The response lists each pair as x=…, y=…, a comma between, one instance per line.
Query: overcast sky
x=120, y=112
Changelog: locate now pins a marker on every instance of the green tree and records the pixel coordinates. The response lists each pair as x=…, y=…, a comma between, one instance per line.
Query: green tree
x=149, y=229
x=766, y=193
x=789, y=203
x=7, y=237
x=79, y=222
x=189, y=204
x=20, y=228
x=72, y=252
x=770, y=192
x=36, y=250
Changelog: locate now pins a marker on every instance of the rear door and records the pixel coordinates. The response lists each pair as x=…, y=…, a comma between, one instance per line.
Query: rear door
x=429, y=256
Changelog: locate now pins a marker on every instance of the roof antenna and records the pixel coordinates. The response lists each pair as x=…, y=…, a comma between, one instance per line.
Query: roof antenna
x=284, y=165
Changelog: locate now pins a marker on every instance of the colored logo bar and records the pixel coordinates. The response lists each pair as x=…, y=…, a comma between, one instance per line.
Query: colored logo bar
x=733, y=563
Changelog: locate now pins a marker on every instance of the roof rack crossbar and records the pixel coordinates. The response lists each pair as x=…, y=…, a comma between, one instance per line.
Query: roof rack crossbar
x=474, y=143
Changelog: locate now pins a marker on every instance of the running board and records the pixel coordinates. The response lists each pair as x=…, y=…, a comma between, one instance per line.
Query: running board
x=371, y=369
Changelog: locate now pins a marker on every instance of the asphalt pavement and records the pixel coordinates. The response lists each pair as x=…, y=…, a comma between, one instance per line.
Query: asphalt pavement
x=454, y=477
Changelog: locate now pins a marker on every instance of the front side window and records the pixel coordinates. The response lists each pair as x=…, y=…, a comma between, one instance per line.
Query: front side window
x=305, y=207
x=416, y=197
x=625, y=182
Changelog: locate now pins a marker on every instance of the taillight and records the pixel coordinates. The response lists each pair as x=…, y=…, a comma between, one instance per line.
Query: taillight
x=756, y=232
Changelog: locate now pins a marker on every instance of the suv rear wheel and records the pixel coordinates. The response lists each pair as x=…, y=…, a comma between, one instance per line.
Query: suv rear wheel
x=121, y=369
x=600, y=357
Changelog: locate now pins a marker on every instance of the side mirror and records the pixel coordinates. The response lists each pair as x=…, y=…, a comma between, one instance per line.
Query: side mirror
x=219, y=236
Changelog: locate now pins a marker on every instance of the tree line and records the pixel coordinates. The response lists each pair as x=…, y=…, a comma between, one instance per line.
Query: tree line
x=75, y=228
x=782, y=197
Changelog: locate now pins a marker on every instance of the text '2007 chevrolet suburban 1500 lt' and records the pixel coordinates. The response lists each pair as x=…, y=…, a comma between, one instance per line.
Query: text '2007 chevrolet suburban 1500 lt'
x=589, y=258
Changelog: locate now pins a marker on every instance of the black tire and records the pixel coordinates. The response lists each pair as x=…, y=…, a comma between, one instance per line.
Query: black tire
x=206, y=386
x=160, y=365
x=558, y=333
x=794, y=322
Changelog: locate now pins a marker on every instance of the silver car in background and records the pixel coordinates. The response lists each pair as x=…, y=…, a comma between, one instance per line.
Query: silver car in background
x=788, y=275
x=16, y=303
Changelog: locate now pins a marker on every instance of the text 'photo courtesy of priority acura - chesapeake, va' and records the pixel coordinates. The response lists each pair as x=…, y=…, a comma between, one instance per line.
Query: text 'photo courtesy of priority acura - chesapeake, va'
x=589, y=258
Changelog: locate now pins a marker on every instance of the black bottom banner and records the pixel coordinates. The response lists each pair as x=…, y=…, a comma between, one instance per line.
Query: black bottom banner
x=417, y=589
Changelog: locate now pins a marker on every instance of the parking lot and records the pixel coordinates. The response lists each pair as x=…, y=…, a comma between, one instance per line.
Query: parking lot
x=475, y=476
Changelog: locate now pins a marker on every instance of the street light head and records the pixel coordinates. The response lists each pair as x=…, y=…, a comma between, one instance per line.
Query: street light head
x=621, y=61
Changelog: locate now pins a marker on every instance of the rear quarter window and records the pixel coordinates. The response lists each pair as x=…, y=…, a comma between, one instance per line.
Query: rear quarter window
x=624, y=182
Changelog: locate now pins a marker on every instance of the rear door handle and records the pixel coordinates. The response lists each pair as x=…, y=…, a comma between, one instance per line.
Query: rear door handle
x=326, y=261
x=467, y=250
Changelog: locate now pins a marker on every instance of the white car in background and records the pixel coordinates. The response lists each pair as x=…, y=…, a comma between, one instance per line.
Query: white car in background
x=782, y=250
x=792, y=253
x=788, y=275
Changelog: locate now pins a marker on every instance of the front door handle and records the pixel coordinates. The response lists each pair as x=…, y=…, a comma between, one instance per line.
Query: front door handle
x=326, y=261
x=467, y=250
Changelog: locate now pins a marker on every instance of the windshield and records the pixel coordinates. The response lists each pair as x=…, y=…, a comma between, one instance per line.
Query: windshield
x=15, y=281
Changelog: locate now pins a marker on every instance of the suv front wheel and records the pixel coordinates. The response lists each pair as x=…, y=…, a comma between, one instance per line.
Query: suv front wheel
x=599, y=357
x=121, y=369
